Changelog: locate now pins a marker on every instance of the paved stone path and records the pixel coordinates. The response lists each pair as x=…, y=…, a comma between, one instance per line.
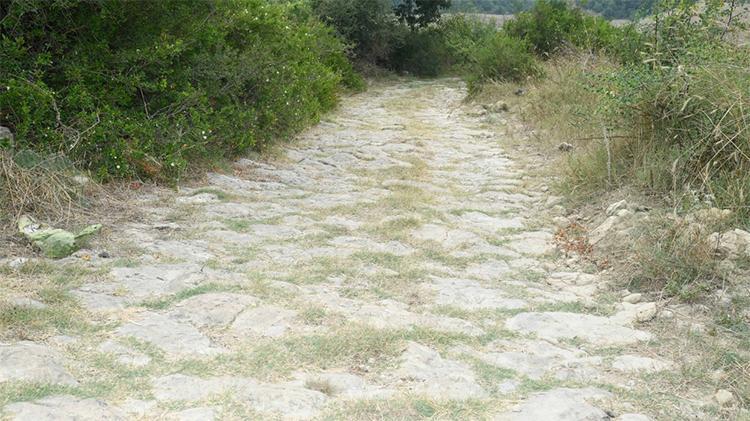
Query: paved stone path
x=394, y=263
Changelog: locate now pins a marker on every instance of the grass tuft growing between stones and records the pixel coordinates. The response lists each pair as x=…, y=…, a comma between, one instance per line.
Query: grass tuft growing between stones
x=163, y=303
x=409, y=408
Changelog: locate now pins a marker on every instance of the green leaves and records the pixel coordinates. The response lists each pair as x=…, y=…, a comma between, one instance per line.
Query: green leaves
x=143, y=88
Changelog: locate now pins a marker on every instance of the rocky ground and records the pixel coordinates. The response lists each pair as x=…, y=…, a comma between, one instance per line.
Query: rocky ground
x=396, y=262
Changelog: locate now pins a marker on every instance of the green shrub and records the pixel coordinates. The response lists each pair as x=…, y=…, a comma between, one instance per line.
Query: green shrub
x=551, y=26
x=502, y=58
x=142, y=88
x=684, y=113
x=422, y=53
x=369, y=25
x=463, y=37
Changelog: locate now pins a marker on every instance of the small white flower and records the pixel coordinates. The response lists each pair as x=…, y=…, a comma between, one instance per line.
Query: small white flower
x=118, y=167
x=205, y=137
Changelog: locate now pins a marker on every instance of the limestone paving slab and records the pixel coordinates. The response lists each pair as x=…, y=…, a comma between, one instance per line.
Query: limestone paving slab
x=65, y=408
x=176, y=339
x=555, y=326
x=424, y=372
x=31, y=362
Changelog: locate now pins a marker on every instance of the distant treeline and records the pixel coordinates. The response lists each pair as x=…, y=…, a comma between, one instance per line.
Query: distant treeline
x=611, y=9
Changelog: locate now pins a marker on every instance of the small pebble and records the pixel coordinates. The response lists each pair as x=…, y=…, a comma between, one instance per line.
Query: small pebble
x=633, y=298
x=724, y=397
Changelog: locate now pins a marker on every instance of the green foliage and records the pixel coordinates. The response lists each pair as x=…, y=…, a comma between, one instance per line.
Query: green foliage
x=552, y=25
x=674, y=258
x=369, y=25
x=422, y=53
x=448, y=47
x=420, y=13
x=503, y=58
x=684, y=112
x=141, y=88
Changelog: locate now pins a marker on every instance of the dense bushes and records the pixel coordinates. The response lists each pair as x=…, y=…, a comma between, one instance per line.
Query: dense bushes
x=684, y=113
x=502, y=58
x=369, y=25
x=406, y=36
x=551, y=26
x=140, y=88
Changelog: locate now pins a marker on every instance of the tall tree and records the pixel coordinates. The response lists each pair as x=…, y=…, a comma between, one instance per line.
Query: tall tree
x=420, y=13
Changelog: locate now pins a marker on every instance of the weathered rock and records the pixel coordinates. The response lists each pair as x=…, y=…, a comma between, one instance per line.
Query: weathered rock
x=534, y=243
x=614, y=208
x=27, y=303
x=6, y=137
x=448, y=238
x=646, y=312
x=488, y=223
x=724, y=397
x=490, y=270
x=189, y=251
x=424, y=372
x=498, y=107
x=633, y=298
x=203, y=413
x=64, y=407
x=581, y=285
x=634, y=363
x=532, y=358
x=133, y=285
x=471, y=295
x=125, y=354
x=390, y=314
x=732, y=244
x=632, y=417
x=365, y=244
x=600, y=232
x=557, y=325
x=137, y=407
x=565, y=147
x=212, y=309
x=31, y=362
x=268, y=321
x=559, y=405
x=199, y=199
x=640, y=312
x=344, y=385
x=289, y=399
x=17, y=263
x=176, y=339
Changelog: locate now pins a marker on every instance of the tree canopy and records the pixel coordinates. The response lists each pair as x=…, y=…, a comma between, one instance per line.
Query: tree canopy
x=420, y=13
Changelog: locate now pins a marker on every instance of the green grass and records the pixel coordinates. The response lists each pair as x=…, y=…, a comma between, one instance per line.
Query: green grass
x=163, y=303
x=488, y=375
x=409, y=408
x=22, y=322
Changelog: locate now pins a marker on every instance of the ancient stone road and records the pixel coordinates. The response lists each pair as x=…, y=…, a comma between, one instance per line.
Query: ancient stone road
x=393, y=263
